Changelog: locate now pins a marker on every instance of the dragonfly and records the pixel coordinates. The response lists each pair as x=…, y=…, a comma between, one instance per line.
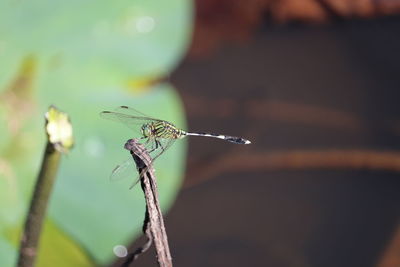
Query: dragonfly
x=158, y=135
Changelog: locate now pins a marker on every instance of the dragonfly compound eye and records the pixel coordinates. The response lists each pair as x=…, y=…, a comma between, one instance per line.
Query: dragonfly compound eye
x=146, y=130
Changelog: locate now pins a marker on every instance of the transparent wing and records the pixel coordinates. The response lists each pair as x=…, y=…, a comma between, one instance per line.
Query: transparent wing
x=137, y=114
x=124, y=170
x=128, y=168
x=133, y=112
x=163, y=145
x=130, y=121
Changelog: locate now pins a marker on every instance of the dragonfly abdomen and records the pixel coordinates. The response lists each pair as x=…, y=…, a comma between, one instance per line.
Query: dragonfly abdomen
x=233, y=139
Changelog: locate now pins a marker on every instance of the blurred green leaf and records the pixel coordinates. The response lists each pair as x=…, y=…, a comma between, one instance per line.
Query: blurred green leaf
x=53, y=240
x=8, y=253
x=95, y=34
x=86, y=57
x=85, y=198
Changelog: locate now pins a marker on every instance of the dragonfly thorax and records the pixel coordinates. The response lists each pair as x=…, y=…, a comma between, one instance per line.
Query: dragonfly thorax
x=161, y=129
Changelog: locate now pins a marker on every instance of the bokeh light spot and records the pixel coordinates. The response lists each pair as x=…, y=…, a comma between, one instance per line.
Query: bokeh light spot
x=145, y=24
x=94, y=147
x=120, y=251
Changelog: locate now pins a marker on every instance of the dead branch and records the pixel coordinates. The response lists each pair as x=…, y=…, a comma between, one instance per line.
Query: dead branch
x=153, y=226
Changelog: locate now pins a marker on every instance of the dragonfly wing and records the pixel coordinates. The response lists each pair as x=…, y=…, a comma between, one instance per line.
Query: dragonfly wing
x=135, y=183
x=163, y=145
x=128, y=168
x=156, y=149
x=124, y=170
x=133, y=112
x=133, y=120
x=137, y=114
x=130, y=121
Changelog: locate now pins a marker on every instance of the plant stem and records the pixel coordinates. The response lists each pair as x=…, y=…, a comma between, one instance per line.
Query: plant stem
x=34, y=221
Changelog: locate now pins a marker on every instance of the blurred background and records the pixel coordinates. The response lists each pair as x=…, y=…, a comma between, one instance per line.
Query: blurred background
x=313, y=84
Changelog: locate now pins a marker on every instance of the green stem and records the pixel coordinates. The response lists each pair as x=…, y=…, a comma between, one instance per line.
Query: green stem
x=34, y=221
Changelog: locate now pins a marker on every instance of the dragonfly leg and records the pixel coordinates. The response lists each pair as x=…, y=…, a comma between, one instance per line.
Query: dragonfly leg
x=159, y=143
x=155, y=145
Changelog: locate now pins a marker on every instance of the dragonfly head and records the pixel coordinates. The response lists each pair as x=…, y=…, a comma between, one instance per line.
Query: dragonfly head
x=146, y=130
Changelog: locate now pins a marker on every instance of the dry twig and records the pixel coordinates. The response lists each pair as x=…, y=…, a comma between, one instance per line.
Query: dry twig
x=153, y=226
